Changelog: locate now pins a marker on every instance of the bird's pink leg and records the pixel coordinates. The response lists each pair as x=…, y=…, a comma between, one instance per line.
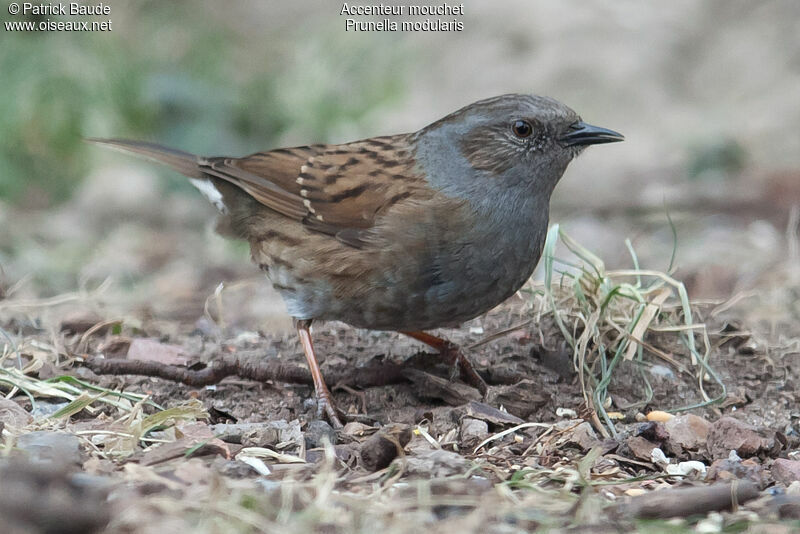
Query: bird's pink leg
x=323, y=394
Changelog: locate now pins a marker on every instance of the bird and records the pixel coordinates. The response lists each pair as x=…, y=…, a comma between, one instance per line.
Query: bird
x=409, y=232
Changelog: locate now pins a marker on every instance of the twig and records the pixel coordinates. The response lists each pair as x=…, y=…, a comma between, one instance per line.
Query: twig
x=683, y=502
x=363, y=377
x=501, y=333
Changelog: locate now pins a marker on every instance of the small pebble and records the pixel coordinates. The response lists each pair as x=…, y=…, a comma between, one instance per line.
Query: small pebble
x=473, y=430
x=45, y=447
x=43, y=410
x=317, y=433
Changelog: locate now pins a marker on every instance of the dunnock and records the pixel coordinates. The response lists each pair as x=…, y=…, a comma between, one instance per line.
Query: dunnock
x=407, y=232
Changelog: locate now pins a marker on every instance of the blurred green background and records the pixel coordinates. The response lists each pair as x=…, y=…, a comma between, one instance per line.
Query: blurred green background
x=180, y=73
x=705, y=92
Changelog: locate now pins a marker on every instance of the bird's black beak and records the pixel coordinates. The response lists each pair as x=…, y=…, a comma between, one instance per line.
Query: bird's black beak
x=580, y=133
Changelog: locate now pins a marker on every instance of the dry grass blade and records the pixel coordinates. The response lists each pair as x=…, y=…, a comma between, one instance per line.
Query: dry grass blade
x=84, y=400
x=508, y=431
x=189, y=411
x=606, y=315
x=67, y=388
x=263, y=452
x=643, y=325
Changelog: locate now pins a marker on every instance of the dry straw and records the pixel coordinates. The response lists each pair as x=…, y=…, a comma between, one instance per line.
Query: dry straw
x=606, y=317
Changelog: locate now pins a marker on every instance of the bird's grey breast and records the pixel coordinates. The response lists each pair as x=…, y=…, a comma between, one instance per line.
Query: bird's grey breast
x=483, y=250
x=489, y=260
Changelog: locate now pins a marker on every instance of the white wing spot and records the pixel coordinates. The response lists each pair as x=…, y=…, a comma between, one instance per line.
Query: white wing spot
x=299, y=180
x=307, y=204
x=304, y=168
x=304, y=192
x=210, y=192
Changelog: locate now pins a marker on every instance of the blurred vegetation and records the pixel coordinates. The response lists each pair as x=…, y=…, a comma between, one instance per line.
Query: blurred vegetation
x=719, y=159
x=171, y=73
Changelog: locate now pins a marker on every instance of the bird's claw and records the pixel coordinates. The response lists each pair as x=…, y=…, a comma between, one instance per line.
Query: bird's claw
x=325, y=406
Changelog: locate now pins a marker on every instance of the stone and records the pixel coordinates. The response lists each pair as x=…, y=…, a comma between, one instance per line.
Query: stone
x=45, y=447
x=692, y=468
x=317, y=433
x=733, y=468
x=641, y=448
x=43, y=498
x=437, y=463
x=473, y=431
x=686, y=433
x=785, y=471
x=520, y=399
x=584, y=436
x=43, y=410
x=13, y=415
x=152, y=350
x=490, y=414
x=729, y=434
x=260, y=434
x=384, y=446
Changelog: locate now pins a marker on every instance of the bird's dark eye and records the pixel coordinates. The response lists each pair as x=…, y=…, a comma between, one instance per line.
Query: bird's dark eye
x=522, y=129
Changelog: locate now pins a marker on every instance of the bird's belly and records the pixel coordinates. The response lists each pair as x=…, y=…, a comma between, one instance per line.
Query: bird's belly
x=403, y=294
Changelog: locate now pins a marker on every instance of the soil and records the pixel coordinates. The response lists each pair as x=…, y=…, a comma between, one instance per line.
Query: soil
x=423, y=451
x=760, y=389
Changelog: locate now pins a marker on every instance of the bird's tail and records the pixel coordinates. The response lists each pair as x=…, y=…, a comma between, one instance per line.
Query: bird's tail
x=183, y=162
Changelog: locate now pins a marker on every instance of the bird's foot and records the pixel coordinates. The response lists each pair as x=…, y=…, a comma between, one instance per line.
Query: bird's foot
x=321, y=392
x=467, y=371
x=451, y=353
x=326, y=407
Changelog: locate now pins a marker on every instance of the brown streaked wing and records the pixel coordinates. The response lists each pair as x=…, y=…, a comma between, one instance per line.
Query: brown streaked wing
x=269, y=178
x=334, y=189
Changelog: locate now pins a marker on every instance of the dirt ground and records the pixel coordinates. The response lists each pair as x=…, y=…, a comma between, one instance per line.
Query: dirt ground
x=420, y=450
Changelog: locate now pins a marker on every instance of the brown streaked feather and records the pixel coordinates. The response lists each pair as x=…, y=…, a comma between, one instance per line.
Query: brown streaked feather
x=337, y=190
x=258, y=187
x=340, y=186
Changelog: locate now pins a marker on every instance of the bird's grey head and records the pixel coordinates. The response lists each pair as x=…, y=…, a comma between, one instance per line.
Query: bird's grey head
x=513, y=143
